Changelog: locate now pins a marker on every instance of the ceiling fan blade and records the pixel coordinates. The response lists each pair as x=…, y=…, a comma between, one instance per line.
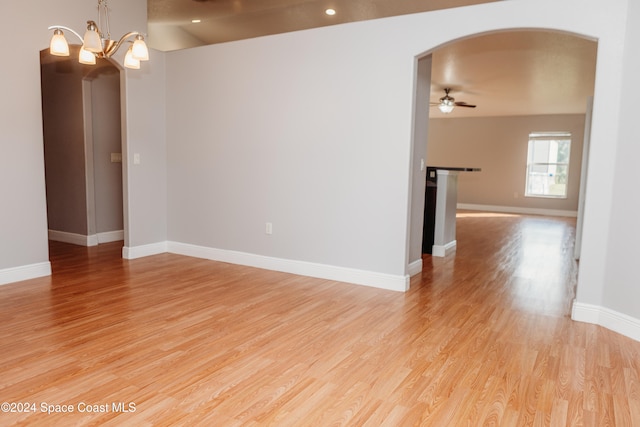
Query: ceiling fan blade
x=464, y=104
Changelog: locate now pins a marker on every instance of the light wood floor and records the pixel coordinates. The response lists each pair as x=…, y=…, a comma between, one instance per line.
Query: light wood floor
x=482, y=338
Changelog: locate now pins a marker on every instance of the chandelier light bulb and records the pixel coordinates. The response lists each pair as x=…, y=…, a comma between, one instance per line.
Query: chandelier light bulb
x=97, y=42
x=130, y=60
x=91, y=40
x=86, y=57
x=139, y=49
x=58, y=45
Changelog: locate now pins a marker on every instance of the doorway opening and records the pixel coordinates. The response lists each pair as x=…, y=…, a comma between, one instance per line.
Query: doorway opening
x=503, y=73
x=82, y=126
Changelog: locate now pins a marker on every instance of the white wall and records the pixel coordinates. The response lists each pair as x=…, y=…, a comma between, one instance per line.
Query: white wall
x=614, y=301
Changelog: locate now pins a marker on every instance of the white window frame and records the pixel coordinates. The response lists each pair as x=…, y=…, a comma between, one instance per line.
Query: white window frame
x=538, y=180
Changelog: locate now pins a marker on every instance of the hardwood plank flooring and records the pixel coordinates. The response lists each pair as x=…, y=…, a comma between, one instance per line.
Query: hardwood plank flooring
x=482, y=338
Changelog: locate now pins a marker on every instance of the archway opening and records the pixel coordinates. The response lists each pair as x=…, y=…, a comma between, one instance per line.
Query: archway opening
x=81, y=111
x=521, y=81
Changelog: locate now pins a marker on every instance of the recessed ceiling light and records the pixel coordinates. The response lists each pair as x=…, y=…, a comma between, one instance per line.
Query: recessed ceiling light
x=196, y=21
x=330, y=12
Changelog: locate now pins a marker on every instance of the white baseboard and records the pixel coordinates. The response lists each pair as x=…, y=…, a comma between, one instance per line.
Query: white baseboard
x=610, y=319
x=73, y=238
x=303, y=268
x=110, y=236
x=86, y=240
x=415, y=267
x=444, y=250
x=133, y=252
x=517, y=210
x=25, y=272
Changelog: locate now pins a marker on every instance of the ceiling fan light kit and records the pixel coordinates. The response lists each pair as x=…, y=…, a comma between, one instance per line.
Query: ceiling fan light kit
x=448, y=103
x=98, y=44
x=446, y=106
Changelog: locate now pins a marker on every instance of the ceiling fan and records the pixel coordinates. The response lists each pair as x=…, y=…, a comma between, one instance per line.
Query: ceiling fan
x=448, y=103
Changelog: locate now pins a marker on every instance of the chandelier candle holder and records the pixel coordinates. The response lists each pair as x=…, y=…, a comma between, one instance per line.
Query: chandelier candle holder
x=98, y=44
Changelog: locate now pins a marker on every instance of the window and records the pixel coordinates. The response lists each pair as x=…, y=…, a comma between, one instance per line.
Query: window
x=548, y=164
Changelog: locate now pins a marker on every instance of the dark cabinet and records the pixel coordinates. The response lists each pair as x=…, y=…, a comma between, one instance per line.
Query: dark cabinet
x=431, y=189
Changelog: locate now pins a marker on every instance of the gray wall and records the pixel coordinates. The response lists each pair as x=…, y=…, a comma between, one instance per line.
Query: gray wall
x=62, y=116
x=107, y=139
x=498, y=145
x=295, y=130
x=23, y=216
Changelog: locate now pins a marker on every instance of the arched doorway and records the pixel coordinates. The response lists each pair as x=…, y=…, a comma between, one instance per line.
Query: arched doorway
x=83, y=149
x=545, y=71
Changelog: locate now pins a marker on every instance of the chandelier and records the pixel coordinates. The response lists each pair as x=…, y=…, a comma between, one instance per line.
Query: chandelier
x=97, y=42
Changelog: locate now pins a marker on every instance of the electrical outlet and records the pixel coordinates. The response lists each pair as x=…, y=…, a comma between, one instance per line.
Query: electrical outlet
x=268, y=228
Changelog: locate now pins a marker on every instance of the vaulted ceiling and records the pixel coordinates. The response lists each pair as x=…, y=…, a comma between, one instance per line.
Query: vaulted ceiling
x=504, y=73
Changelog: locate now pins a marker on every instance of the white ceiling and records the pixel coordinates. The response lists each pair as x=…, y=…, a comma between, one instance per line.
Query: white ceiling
x=504, y=74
